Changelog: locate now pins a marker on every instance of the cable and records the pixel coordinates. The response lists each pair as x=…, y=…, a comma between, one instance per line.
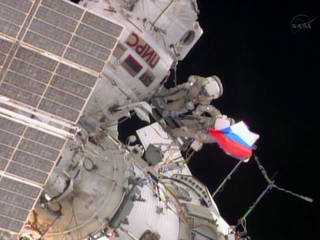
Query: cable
x=181, y=212
x=174, y=68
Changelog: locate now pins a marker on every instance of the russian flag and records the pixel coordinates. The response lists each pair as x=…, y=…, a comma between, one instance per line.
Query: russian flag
x=236, y=140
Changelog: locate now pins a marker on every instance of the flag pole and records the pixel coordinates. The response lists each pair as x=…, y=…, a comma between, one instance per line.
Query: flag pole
x=227, y=178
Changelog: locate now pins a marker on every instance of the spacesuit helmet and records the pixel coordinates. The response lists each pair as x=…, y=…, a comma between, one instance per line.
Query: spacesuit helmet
x=212, y=87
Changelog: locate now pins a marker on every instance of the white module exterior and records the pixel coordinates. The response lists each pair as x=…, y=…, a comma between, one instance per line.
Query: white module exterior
x=162, y=25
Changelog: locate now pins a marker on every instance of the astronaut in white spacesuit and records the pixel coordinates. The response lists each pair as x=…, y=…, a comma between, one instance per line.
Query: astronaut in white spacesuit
x=196, y=91
x=197, y=125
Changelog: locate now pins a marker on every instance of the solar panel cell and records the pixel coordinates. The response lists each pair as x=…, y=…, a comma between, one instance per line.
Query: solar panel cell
x=5, y=151
x=36, y=59
x=10, y=224
x=11, y=15
x=76, y=75
x=84, y=60
x=27, y=172
x=2, y=58
x=70, y=86
x=102, y=24
x=20, y=188
x=90, y=48
x=44, y=43
x=64, y=98
x=96, y=36
x=44, y=138
x=3, y=164
x=33, y=161
x=19, y=95
x=56, y=19
x=5, y=46
x=11, y=126
x=50, y=31
x=38, y=150
x=30, y=71
x=8, y=139
x=59, y=110
x=16, y=199
x=13, y=212
x=8, y=28
x=25, y=83
x=21, y=5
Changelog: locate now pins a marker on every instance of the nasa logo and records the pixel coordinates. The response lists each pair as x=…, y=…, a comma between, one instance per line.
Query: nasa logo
x=148, y=54
x=301, y=23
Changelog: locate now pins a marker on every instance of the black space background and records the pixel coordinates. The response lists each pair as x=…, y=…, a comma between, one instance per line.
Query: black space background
x=271, y=81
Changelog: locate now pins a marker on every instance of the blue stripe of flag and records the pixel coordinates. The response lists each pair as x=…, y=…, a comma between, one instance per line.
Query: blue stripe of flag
x=234, y=137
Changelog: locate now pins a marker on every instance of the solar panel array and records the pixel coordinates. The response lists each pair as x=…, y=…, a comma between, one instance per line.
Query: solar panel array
x=27, y=152
x=13, y=14
x=27, y=155
x=51, y=54
x=16, y=201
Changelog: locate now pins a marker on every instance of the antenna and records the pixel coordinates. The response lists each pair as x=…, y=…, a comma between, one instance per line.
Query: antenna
x=271, y=185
